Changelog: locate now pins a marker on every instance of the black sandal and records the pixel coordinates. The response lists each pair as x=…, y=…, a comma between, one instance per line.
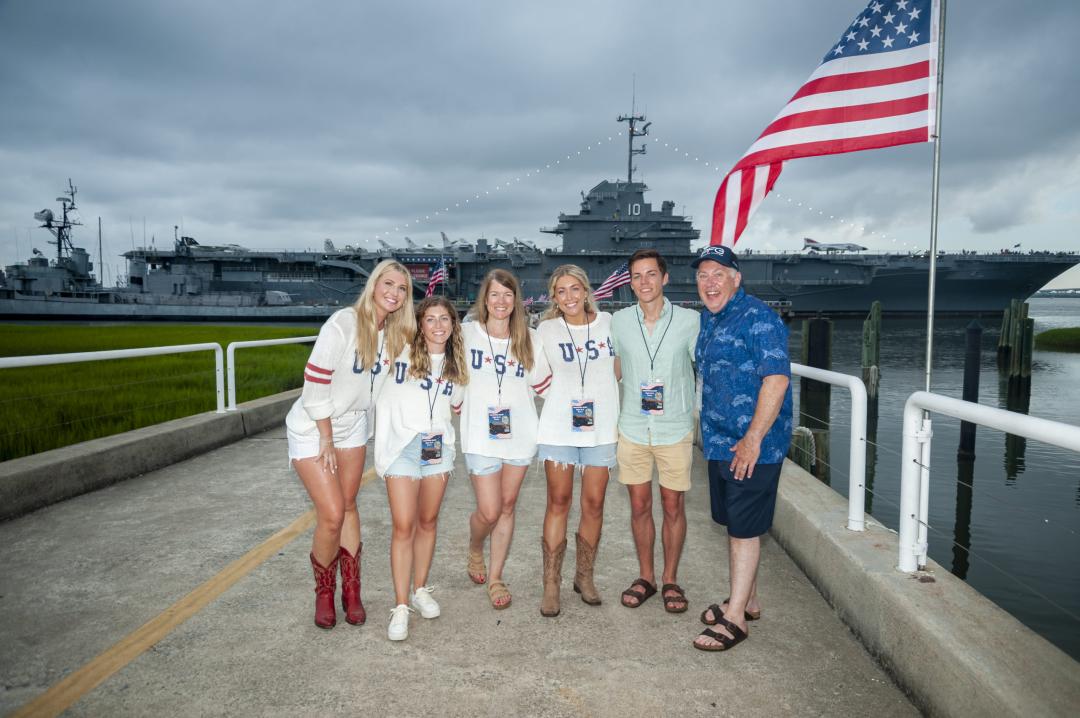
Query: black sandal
x=648, y=590
x=726, y=642
x=719, y=613
x=677, y=603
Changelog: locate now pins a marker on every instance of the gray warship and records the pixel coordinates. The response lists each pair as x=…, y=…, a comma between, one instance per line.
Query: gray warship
x=197, y=282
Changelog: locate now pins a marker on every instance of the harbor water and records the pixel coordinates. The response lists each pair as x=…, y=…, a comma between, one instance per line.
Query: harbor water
x=1007, y=523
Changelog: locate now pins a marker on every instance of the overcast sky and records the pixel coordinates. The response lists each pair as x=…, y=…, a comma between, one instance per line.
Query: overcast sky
x=280, y=124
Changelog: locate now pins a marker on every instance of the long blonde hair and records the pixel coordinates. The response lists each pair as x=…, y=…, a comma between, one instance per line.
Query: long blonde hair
x=569, y=270
x=453, y=368
x=400, y=324
x=520, y=341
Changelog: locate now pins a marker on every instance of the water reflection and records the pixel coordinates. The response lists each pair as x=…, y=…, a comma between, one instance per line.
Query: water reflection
x=965, y=487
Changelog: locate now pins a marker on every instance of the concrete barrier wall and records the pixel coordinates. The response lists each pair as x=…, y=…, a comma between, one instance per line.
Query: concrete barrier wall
x=953, y=650
x=31, y=482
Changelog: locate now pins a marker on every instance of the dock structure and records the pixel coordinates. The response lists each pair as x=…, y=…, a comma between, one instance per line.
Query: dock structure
x=96, y=590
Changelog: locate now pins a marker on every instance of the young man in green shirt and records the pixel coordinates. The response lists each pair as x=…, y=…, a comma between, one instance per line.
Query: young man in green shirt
x=654, y=342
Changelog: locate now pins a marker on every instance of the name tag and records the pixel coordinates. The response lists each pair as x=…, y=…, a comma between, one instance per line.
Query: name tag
x=652, y=398
x=430, y=449
x=582, y=415
x=498, y=422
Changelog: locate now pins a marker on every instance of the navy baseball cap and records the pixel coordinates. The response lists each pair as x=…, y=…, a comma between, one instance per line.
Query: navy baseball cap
x=716, y=253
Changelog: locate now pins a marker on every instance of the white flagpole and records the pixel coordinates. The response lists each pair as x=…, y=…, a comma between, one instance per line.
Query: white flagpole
x=940, y=71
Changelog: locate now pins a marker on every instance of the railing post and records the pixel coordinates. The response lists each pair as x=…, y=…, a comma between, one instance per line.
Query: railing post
x=231, y=364
x=219, y=378
x=909, y=488
x=923, y=542
x=857, y=460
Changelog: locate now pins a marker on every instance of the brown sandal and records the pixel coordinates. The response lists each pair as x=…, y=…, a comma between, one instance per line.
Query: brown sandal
x=726, y=642
x=676, y=603
x=477, y=570
x=647, y=590
x=718, y=613
x=497, y=591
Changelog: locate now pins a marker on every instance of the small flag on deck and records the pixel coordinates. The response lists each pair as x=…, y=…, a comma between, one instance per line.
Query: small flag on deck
x=439, y=275
x=618, y=278
x=876, y=87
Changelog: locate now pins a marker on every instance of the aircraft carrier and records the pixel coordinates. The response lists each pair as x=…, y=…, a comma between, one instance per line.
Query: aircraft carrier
x=197, y=282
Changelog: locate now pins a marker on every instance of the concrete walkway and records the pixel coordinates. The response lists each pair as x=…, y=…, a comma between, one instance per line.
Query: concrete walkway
x=79, y=576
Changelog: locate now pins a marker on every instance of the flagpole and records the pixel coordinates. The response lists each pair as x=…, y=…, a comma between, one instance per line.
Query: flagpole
x=934, y=194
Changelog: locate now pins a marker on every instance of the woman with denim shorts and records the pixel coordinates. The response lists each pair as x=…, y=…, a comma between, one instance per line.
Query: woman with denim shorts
x=415, y=451
x=498, y=420
x=328, y=428
x=578, y=427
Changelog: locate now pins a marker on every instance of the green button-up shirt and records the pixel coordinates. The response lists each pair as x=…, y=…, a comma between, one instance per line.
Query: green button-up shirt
x=671, y=344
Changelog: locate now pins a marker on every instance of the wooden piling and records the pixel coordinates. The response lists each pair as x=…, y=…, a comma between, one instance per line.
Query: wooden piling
x=972, y=360
x=814, y=396
x=871, y=350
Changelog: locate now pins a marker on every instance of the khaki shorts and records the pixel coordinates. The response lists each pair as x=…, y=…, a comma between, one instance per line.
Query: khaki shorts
x=672, y=462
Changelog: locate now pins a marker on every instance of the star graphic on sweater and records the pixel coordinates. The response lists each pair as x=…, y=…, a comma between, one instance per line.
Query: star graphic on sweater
x=580, y=349
x=603, y=345
x=510, y=362
x=439, y=381
x=386, y=362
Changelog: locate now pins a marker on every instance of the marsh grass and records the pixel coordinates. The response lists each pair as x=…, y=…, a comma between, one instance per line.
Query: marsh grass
x=46, y=407
x=1059, y=340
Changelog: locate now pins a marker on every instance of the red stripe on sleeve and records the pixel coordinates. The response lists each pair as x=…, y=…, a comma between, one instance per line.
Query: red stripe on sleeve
x=315, y=379
x=319, y=369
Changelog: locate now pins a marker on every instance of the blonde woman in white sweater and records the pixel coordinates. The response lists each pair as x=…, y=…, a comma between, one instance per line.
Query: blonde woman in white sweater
x=327, y=427
x=414, y=452
x=578, y=427
x=498, y=420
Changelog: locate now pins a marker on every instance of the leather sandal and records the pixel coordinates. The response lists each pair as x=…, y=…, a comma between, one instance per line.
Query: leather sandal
x=726, y=642
x=476, y=568
x=647, y=591
x=718, y=613
x=497, y=591
x=676, y=603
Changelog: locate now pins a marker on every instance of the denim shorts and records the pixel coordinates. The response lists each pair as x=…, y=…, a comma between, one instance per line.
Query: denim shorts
x=602, y=455
x=408, y=462
x=480, y=465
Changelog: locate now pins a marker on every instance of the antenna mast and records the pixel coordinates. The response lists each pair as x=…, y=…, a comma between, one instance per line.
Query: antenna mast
x=633, y=132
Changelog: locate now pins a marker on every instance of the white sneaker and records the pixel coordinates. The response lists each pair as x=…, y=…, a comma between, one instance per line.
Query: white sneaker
x=399, y=623
x=422, y=601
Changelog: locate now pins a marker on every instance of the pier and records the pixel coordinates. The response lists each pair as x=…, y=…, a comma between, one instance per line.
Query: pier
x=186, y=591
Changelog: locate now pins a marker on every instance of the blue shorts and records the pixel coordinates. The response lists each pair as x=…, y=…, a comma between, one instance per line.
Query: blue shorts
x=483, y=465
x=746, y=507
x=602, y=455
x=408, y=462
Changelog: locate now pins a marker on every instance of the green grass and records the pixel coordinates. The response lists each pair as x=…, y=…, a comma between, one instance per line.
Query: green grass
x=1059, y=340
x=46, y=407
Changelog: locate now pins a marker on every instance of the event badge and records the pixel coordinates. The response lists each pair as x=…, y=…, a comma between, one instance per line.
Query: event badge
x=498, y=422
x=582, y=414
x=430, y=449
x=652, y=398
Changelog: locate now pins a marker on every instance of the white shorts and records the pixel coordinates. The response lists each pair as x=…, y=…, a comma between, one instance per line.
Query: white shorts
x=350, y=431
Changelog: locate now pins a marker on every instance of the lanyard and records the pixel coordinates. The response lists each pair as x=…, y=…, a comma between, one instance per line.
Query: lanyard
x=378, y=358
x=582, y=368
x=431, y=402
x=498, y=377
x=653, y=355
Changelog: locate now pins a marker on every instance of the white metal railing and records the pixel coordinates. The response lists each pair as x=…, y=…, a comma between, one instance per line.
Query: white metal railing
x=857, y=452
x=231, y=358
x=75, y=357
x=915, y=458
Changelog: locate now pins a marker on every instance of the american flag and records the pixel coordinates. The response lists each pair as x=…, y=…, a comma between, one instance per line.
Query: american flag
x=439, y=275
x=876, y=87
x=618, y=278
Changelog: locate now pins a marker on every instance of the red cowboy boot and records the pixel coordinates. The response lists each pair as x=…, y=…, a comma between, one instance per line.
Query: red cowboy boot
x=325, y=585
x=350, y=586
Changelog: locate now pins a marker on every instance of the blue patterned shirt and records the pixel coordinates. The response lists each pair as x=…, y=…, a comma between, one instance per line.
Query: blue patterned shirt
x=736, y=348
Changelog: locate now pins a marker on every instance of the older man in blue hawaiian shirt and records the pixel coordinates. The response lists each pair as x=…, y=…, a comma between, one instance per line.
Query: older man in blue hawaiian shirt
x=742, y=358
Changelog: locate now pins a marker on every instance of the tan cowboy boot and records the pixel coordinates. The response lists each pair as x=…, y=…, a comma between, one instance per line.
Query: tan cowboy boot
x=583, y=577
x=549, y=605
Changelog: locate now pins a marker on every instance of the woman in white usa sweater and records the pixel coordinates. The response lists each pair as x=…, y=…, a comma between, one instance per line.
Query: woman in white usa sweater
x=415, y=451
x=328, y=430
x=578, y=427
x=498, y=420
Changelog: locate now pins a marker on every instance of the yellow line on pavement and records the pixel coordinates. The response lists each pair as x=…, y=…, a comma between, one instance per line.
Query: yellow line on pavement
x=65, y=693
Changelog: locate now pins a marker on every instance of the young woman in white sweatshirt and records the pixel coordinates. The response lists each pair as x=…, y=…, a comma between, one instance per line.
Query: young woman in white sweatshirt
x=414, y=452
x=498, y=420
x=327, y=427
x=578, y=427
